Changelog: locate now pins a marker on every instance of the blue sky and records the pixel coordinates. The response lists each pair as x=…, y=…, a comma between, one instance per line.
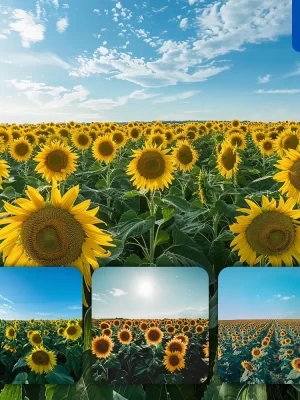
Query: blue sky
x=40, y=293
x=168, y=292
x=259, y=293
x=147, y=60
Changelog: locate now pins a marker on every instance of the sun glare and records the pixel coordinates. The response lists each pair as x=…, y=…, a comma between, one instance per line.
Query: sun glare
x=145, y=288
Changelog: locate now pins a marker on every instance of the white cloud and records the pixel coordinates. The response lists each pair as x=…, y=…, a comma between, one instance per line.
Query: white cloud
x=176, y=97
x=29, y=59
x=288, y=297
x=25, y=24
x=184, y=24
x=264, y=79
x=75, y=308
x=117, y=292
x=119, y=5
x=99, y=297
x=277, y=295
x=6, y=299
x=279, y=91
x=65, y=5
x=192, y=2
x=62, y=24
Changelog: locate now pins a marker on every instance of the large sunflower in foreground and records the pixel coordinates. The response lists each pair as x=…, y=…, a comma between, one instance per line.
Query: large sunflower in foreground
x=269, y=231
x=53, y=233
x=185, y=156
x=228, y=161
x=152, y=168
x=41, y=360
x=56, y=160
x=4, y=167
x=289, y=175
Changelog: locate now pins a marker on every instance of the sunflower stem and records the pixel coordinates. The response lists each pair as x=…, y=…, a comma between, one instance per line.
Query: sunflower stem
x=152, y=210
x=216, y=220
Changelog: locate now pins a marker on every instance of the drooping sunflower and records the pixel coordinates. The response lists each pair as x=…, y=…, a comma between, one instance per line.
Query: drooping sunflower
x=20, y=149
x=185, y=156
x=10, y=333
x=56, y=161
x=289, y=175
x=125, y=336
x=4, y=167
x=248, y=365
x=41, y=360
x=104, y=149
x=53, y=233
x=36, y=338
x=81, y=139
x=228, y=161
x=176, y=345
x=174, y=361
x=154, y=335
x=268, y=231
x=73, y=332
x=152, y=168
x=102, y=346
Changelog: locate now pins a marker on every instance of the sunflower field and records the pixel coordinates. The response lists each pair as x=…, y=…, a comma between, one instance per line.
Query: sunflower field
x=150, y=351
x=41, y=351
x=259, y=351
x=213, y=194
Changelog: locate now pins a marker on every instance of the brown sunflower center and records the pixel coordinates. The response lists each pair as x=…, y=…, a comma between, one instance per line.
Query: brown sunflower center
x=30, y=138
x=52, y=236
x=40, y=357
x=56, y=160
x=105, y=148
x=134, y=133
x=71, y=330
x=290, y=142
x=11, y=332
x=125, y=335
x=260, y=137
x=21, y=149
x=36, y=338
x=153, y=335
x=228, y=159
x=118, y=138
x=151, y=165
x=175, y=347
x=174, y=360
x=294, y=174
x=83, y=139
x=236, y=141
x=271, y=233
x=267, y=146
x=157, y=141
x=256, y=352
x=185, y=155
x=102, y=346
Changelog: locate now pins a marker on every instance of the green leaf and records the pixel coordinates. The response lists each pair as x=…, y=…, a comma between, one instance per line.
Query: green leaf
x=87, y=329
x=229, y=210
x=132, y=194
x=132, y=261
x=50, y=389
x=134, y=227
x=178, y=202
x=74, y=356
x=181, y=392
x=11, y=392
x=21, y=378
x=112, y=362
x=162, y=237
x=130, y=392
x=157, y=392
x=101, y=184
x=213, y=313
x=167, y=213
x=59, y=376
x=255, y=392
x=21, y=363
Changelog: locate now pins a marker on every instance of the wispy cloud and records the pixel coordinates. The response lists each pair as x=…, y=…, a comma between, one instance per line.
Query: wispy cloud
x=6, y=299
x=288, y=297
x=264, y=79
x=278, y=91
x=99, y=297
x=75, y=308
x=62, y=25
x=117, y=292
x=176, y=97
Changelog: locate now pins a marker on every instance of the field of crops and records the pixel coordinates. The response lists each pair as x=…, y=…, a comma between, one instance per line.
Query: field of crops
x=259, y=351
x=41, y=351
x=150, y=351
x=167, y=194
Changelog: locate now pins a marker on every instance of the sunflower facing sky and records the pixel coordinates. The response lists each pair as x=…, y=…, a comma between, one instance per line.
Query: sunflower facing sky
x=53, y=232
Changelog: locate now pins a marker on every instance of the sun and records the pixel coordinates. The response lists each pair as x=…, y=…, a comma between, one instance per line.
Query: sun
x=145, y=288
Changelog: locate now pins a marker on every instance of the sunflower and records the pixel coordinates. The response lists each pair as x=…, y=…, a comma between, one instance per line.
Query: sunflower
x=185, y=156
x=206, y=350
x=4, y=167
x=154, y=335
x=9, y=348
x=20, y=149
x=237, y=140
x=73, y=332
x=102, y=346
x=268, y=231
x=183, y=338
x=152, y=168
x=60, y=331
x=228, y=161
x=287, y=140
x=10, y=333
x=104, y=149
x=199, y=329
x=125, y=336
x=119, y=138
x=143, y=326
x=235, y=123
x=248, y=365
x=176, y=345
x=266, y=147
x=174, y=361
x=289, y=175
x=256, y=352
x=35, y=338
x=157, y=140
x=295, y=363
x=41, y=360
x=31, y=138
x=135, y=133
x=53, y=232
x=107, y=332
x=56, y=161
x=81, y=139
